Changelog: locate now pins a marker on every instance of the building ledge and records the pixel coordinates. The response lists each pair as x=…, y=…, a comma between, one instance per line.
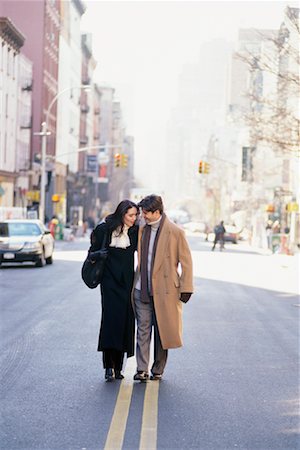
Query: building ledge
x=10, y=33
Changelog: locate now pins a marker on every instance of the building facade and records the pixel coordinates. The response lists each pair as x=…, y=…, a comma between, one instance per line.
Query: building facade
x=85, y=130
x=41, y=47
x=68, y=101
x=11, y=41
x=24, y=132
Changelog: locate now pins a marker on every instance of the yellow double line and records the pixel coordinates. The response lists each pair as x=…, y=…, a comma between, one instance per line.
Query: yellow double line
x=148, y=436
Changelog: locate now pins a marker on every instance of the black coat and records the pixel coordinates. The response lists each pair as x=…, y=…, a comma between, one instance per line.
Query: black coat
x=117, y=319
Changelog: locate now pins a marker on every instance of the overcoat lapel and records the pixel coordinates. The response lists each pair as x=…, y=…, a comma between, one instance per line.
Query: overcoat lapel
x=161, y=250
x=139, y=246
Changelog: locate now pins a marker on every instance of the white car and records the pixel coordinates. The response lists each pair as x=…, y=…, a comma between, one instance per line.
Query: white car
x=195, y=227
x=23, y=240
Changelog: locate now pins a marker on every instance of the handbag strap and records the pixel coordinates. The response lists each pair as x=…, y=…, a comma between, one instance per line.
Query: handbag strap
x=103, y=243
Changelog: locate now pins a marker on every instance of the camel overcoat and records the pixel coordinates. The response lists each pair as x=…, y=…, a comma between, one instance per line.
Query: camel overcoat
x=168, y=282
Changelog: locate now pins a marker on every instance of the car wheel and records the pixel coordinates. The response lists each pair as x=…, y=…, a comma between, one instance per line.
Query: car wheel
x=49, y=260
x=41, y=262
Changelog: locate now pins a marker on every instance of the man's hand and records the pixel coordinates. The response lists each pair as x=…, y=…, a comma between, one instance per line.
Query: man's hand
x=185, y=296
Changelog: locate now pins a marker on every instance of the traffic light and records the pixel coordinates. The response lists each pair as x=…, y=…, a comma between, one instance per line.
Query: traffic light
x=117, y=160
x=206, y=167
x=124, y=160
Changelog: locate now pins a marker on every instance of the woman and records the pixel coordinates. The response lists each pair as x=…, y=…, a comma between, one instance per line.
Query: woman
x=117, y=322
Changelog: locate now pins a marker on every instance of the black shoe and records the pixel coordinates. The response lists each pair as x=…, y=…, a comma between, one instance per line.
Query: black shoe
x=109, y=374
x=118, y=375
x=156, y=377
x=141, y=376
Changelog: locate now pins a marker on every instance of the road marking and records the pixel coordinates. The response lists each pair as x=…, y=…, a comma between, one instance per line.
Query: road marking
x=115, y=436
x=117, y=429
x=150, y=413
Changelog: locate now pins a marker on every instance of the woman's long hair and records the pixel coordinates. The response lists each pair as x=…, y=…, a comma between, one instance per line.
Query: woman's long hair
x=116, y=219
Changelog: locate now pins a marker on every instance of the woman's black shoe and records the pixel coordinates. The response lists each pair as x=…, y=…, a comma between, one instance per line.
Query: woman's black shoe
x=109, y=374
x=118, y=375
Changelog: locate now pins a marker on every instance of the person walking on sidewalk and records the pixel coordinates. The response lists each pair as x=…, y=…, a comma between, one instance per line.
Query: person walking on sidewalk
x=159, y=289
x=219, y=235
x=117, y=321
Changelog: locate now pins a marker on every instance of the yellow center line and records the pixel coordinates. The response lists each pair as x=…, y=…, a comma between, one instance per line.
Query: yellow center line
x=117, y=429
x=150, y=413
x=115, y=436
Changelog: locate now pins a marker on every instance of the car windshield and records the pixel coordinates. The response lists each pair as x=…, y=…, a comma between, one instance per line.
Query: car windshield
x=19, y=229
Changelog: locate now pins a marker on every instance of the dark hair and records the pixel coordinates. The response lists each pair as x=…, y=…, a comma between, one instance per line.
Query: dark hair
x=115, y=219
x=152, y=203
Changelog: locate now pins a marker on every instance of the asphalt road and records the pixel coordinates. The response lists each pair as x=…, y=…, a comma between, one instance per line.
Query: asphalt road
x=234, y=384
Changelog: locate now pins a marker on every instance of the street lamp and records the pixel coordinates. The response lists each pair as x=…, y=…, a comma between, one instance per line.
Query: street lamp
x=44, y=133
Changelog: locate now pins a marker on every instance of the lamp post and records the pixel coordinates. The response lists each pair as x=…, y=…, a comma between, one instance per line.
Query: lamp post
x=44, y=133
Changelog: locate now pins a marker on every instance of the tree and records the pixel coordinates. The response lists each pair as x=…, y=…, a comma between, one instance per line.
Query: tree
x=272, y=113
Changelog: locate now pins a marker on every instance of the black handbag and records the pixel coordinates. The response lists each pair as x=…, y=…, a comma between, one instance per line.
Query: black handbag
x=93, y=266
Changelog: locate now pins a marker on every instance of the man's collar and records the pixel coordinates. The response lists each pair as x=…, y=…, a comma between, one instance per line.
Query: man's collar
x=156, y=222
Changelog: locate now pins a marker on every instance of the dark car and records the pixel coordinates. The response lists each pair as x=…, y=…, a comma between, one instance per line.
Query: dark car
x=25, y=240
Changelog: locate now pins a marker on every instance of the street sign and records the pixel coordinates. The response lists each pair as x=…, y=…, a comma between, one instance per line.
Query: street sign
x=293, y=207
x=103, y=157
x=102, y=174
x=34, y=196
x=91, y=163
x=32, y=214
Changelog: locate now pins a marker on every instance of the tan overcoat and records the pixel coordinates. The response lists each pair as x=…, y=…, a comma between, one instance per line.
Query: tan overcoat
x=172, y=253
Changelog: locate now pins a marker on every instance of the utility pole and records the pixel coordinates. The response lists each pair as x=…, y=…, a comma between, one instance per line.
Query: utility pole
x=44, y=133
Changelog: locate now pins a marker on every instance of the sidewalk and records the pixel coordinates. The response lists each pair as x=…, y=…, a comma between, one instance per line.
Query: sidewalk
x=244, y=264
x=281, y=259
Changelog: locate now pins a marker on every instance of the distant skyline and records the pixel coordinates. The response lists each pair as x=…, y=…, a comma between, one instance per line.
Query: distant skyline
x=141, y=48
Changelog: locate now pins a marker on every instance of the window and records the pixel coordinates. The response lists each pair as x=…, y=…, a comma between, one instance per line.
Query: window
x=247, y=163
x=23, y=229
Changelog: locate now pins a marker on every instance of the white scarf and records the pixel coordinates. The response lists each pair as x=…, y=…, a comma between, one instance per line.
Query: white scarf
x=120, y=240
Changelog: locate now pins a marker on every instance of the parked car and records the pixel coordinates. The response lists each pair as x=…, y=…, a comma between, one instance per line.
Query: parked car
x=231, y=234
x=25, y=240
x=195, y=227
x=178, y=216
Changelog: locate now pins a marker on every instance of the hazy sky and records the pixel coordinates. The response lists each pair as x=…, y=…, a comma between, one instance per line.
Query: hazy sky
x=141, y=46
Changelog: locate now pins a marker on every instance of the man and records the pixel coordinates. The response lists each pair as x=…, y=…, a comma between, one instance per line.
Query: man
x=159, y=290
x=219, y=235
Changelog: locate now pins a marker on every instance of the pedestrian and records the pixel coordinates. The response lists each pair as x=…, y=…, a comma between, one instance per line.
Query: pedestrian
x=276, y=227
x=52, y=225
x=219, y=235
x=269, y=233
x=117, y=327
x=206, y=231
x=158, y=287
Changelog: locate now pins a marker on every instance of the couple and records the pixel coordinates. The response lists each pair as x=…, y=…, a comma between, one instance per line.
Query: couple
x=153, y=295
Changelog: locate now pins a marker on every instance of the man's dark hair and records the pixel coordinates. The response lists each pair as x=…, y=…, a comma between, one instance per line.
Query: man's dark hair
x=152, y=203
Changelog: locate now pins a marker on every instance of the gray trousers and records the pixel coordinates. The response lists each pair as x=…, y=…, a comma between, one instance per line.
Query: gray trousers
x=145, y=316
